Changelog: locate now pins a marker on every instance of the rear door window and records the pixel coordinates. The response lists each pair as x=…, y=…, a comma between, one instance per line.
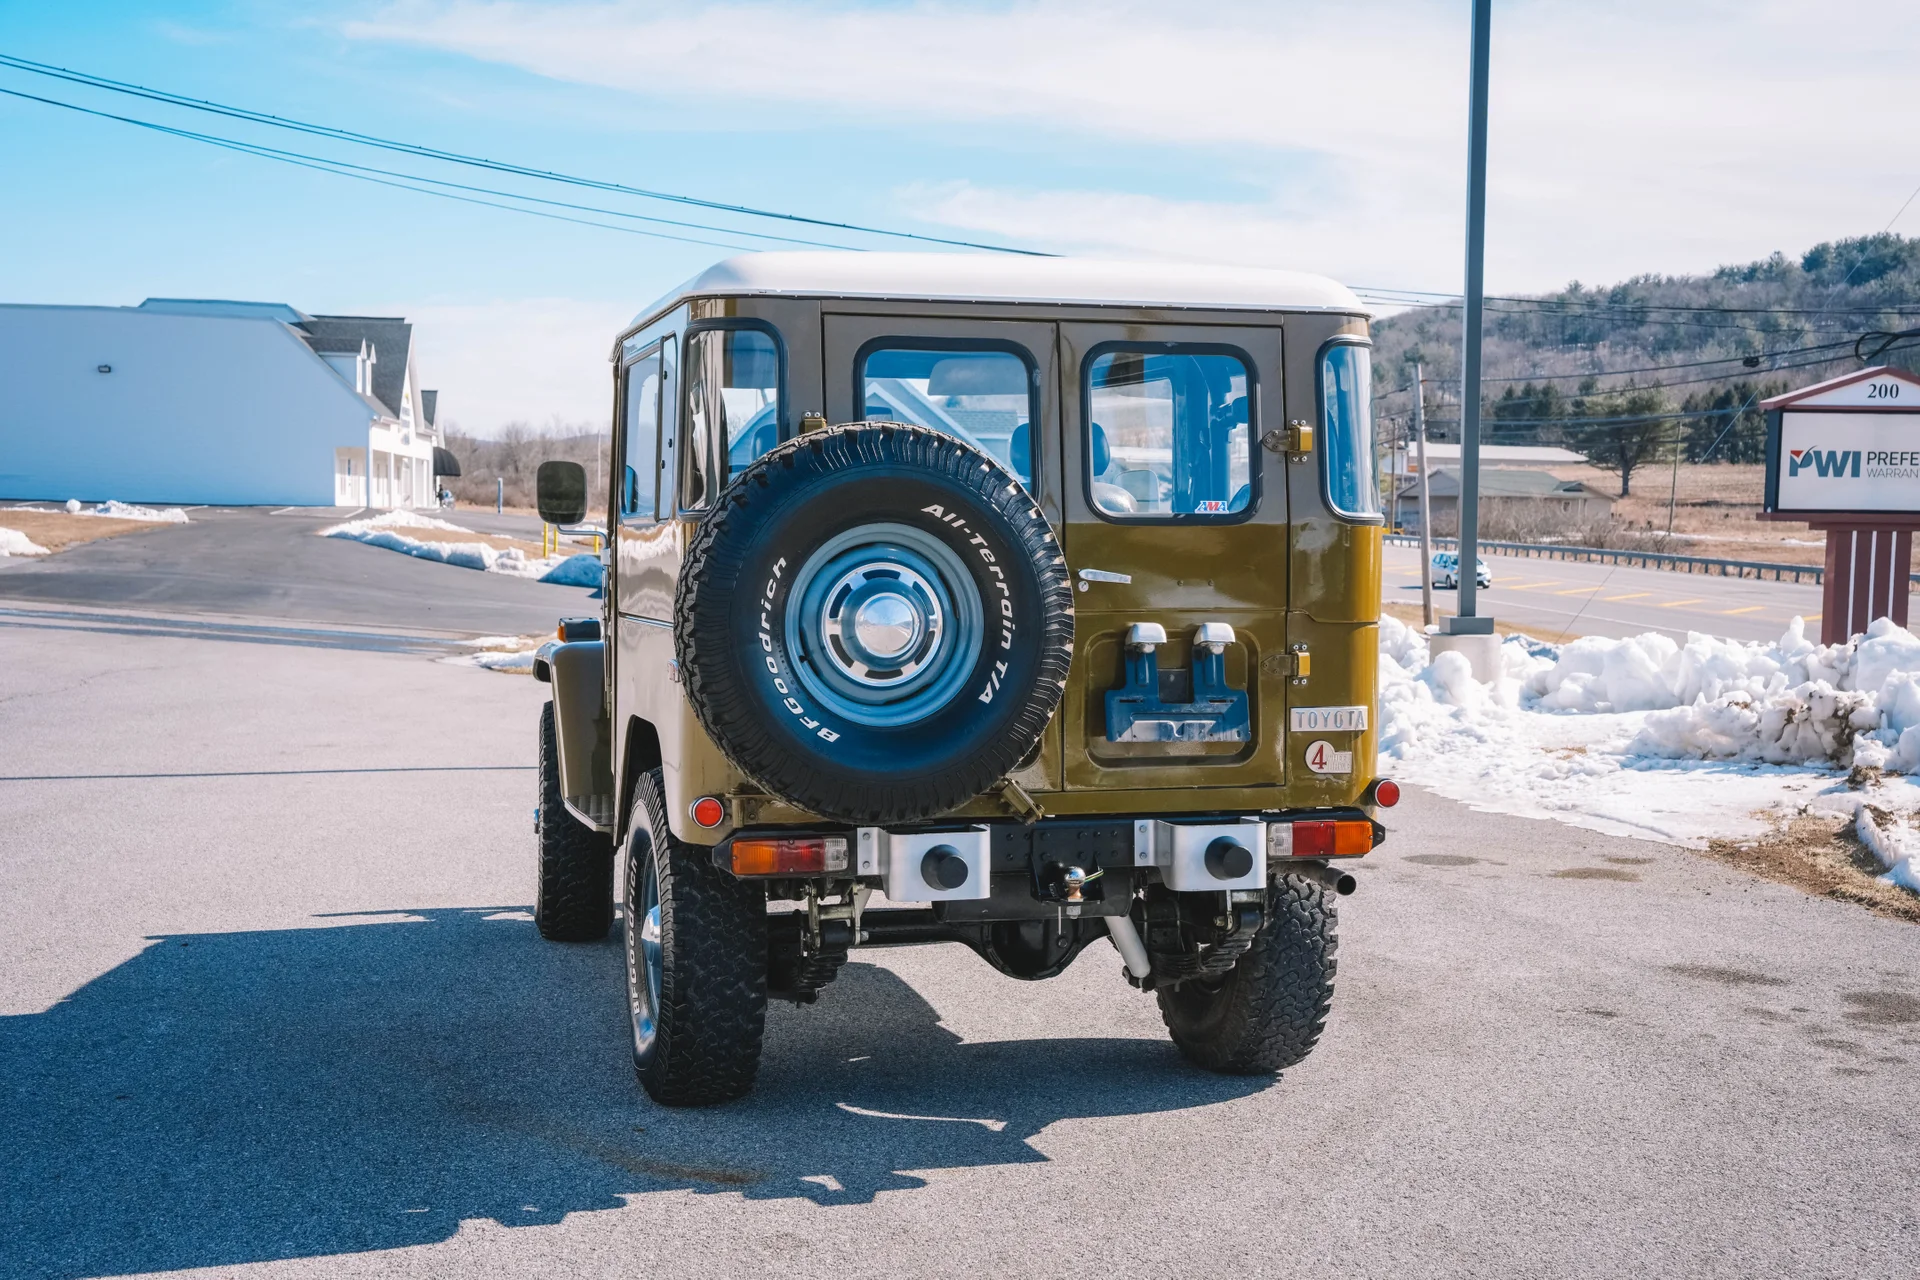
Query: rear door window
x=1170, y=432
x=985, y=393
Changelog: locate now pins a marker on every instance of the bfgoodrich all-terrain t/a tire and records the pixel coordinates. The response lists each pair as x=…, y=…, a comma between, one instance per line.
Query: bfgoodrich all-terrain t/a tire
x=875, y=622
x=1267, y=1013
x=696, y=953
x=573, y=897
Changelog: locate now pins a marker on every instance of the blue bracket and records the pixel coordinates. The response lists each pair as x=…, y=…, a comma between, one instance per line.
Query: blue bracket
x=1136, y=712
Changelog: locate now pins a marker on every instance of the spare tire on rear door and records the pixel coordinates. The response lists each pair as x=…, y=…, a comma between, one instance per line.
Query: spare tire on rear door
x=875, y=622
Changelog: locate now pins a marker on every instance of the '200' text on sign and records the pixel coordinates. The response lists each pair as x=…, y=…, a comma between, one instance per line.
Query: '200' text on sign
x=1329, y=719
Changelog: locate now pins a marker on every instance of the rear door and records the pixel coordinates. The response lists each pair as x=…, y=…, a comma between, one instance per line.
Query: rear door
x=1175, y=514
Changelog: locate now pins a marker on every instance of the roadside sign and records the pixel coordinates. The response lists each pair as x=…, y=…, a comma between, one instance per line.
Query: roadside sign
x=1844, y=456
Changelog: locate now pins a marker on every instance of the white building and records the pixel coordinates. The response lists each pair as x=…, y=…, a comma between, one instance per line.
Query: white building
x=207, y=402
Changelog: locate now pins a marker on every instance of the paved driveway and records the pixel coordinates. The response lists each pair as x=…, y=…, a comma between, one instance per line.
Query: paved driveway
x=252, y=563
x=273, y=1005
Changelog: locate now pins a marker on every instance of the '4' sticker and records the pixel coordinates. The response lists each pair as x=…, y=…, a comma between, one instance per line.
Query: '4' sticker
x=1322, y=758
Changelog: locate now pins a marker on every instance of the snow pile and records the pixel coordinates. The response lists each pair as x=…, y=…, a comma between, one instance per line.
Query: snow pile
x=128, y=511
x=384, y=531
x=1893, y=840
x=511, y=654
x=15, y=543
x=1647, y=735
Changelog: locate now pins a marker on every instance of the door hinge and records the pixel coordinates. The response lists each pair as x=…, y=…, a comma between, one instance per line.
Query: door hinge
x=1296, y=664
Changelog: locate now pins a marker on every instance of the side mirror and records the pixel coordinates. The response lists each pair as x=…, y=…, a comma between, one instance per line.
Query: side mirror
x=561, y=489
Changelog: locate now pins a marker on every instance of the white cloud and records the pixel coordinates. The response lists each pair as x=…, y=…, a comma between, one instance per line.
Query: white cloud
x=530, y=360
x=1627, y=137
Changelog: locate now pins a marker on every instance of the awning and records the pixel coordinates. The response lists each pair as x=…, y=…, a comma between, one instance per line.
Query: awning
x=444, y=463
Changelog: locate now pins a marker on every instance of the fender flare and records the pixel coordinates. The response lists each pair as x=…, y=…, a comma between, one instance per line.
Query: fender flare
x=577, y=670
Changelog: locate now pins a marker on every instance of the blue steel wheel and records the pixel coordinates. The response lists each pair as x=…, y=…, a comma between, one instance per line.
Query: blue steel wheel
x=874, y=622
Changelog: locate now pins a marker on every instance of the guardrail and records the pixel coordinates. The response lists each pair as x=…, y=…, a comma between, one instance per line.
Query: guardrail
x=1645, y=559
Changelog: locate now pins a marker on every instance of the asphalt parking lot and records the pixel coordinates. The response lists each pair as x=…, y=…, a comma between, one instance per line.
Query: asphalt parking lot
x=273, y=1005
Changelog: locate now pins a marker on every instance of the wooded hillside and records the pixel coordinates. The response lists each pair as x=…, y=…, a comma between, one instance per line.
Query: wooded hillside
x=1629, y=372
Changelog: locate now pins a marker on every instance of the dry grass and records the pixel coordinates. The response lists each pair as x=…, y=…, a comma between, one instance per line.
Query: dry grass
x=1818, y=853
x=56, y=530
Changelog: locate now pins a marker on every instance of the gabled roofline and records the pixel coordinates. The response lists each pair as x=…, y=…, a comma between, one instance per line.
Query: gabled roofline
x=1789, y=398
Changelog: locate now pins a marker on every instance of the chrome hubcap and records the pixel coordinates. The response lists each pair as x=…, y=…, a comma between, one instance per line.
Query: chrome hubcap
x=885, y=624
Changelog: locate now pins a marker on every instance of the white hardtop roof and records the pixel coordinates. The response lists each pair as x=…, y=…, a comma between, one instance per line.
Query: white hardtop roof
x=993, y=277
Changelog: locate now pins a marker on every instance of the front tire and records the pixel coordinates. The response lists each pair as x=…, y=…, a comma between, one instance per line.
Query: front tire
x=1268, y=1012
x=696, y=953
x=573, y=896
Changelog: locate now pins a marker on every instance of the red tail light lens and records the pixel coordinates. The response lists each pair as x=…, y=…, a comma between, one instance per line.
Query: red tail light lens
x=803, y=855
x=1331, y=839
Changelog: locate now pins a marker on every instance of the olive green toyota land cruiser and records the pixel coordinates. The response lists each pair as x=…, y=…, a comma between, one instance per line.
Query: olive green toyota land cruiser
x=1028, y=604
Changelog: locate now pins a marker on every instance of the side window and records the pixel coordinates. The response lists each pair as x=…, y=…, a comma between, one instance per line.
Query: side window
x=1346, y=429
x=640, y=478
x=1169, y=432
x=988, y=396
x=732, y=379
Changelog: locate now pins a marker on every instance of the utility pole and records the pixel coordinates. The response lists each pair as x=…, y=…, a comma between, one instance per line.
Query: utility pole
x=1673, y=486
x=1468, y=623
x=1426, y=507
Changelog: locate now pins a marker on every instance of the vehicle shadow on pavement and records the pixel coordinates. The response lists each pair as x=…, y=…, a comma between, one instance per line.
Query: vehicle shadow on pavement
x=240, y=1097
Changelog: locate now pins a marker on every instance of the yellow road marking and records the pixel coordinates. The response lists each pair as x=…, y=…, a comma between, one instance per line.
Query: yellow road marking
x=1675, y=604
x=1752, y=608
x=1531, y=586
x=1637, y=595
x=1574, y=591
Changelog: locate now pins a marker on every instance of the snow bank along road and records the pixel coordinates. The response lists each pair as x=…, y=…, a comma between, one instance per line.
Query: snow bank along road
x=272, y=997
x=1549, y=597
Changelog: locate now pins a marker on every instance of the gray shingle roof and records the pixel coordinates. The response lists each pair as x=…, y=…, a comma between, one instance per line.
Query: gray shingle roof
x=1500, y=482
x=392, y=337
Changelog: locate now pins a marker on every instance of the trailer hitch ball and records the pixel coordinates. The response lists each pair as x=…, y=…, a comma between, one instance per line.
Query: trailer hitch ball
x=943, y=868
x=1228, y=859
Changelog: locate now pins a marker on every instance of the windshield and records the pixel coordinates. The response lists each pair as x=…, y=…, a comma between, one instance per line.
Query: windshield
x=1169, y=434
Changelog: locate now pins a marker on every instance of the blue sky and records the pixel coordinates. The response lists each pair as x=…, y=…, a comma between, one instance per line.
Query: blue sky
x=1627, y=138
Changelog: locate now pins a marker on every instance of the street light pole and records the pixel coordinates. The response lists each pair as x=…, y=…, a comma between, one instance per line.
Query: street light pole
x=1426, y=503
x=1466, y=621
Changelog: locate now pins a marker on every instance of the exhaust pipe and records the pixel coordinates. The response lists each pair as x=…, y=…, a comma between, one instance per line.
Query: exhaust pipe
x=1341, y=882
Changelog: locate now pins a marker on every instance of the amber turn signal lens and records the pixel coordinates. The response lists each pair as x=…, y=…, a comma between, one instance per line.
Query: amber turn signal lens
x=1386, y=793
x=709, y=812
x=804, y=855
x=1329, y=839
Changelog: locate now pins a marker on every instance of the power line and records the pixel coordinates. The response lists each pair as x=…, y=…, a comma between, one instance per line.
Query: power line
x=454, y=157
x=1583, y=307
x=342, y=168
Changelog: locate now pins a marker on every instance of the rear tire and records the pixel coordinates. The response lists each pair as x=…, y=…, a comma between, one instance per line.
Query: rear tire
x=573, y=897
x=1268, y=1012
x=696, y=960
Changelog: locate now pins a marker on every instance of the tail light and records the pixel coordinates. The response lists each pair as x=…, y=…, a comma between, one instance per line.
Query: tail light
x=793, y=856
x=1324, y=838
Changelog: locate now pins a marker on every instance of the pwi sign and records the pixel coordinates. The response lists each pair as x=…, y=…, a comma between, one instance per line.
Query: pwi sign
x=1844, y=456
